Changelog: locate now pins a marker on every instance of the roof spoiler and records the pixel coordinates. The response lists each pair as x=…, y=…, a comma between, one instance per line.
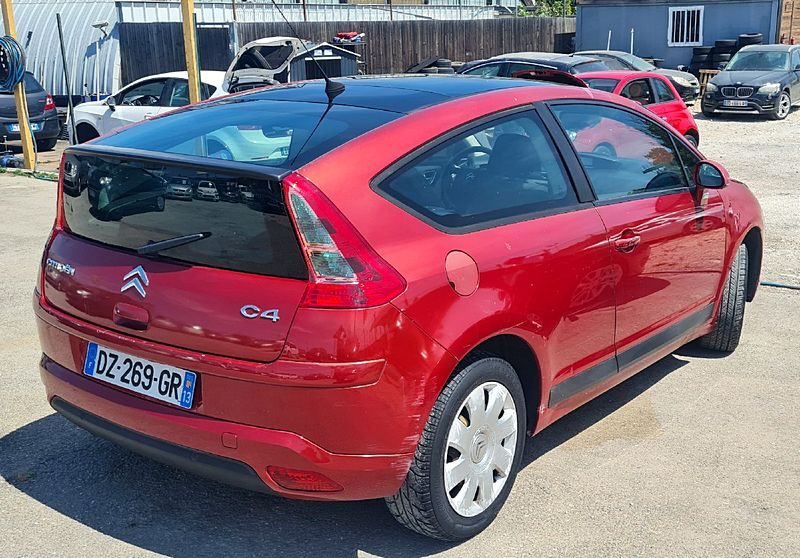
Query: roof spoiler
x=235, y=168
x=552, y=76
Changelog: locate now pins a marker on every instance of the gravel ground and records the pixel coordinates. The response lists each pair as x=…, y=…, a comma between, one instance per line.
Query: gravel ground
x=695, y=456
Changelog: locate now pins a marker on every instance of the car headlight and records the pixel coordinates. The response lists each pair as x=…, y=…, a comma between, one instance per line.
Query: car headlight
x=711, y=88
x=683, y=82
x=769, y=88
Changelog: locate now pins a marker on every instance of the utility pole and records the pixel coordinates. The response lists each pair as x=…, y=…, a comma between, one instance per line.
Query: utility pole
x=189, y=48
x=19, y=93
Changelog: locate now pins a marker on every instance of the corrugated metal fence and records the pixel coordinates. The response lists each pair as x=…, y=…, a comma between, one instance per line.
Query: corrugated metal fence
x=391, y=46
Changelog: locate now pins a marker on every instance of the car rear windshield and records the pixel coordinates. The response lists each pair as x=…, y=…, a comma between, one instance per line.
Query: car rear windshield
x=284, y=134
x=128, y=203
x=589, y=67
x=31, y=85
x=603, y=84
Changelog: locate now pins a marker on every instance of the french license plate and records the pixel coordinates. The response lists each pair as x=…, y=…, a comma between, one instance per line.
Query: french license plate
x=732, y=103
x=35, y=127
x=158, y=381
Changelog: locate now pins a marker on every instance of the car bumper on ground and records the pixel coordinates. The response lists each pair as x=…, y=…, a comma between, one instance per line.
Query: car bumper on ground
x=756, y=104
x=357, y=431
x=48, y=127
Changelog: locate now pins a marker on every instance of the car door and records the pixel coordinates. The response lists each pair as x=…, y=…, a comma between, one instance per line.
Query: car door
x=667, y=237
x=136, y=103
x=502, y=195
x=669, y=106
x=795, y=69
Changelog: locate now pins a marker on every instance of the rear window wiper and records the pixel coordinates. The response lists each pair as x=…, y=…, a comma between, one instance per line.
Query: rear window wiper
x=155, y=247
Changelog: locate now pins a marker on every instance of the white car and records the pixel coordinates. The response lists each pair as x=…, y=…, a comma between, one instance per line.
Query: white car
x=142, y=99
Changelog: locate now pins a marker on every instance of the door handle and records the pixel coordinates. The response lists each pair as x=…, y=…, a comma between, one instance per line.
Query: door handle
x=627, y=244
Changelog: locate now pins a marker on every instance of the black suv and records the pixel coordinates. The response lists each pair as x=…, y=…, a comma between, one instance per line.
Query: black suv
x=760, y=79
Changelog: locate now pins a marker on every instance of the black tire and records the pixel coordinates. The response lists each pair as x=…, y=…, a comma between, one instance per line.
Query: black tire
x=422, y=504
x=692, y=138
x=444, y=63
x=750, y=39
x=722, y=58
x=700, y=58
x=725, y=43
x=46, y=145
x=702, y=50
x=783, y=108
x=725, y=336
x=707, y=113
x=429, y=71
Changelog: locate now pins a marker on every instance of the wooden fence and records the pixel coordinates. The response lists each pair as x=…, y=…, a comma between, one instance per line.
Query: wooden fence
x=392, y=46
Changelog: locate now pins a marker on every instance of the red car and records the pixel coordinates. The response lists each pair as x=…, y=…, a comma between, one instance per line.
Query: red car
x=650, y=90
x=424, y=271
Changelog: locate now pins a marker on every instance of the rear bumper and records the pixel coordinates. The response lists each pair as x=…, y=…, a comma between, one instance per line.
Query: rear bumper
x=51, y=127
x=233, y=453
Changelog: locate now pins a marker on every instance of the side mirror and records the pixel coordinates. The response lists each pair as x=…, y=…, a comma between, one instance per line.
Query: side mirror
x=711, y=175
x=682, y=68
x=722, y=65
x=111, y=102
x=797, y=68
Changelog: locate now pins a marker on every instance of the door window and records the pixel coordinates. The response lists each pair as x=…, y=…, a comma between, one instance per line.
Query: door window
x=689, y=160
x=624, y=154
x=639, y=90
x=796, y=60
x=487, y=70
x=499, y=170
x=147, y=94
x=179, y=93
x=662, y=91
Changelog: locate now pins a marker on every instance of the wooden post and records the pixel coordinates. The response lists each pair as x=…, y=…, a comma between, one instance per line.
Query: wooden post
x=190, y=49
x=19, y=94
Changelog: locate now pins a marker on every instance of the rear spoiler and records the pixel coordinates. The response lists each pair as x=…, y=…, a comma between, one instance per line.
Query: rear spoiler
x=179, y=160
x=553, y=76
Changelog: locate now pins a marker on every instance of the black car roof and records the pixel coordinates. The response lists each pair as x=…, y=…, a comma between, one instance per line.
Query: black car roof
x=398, y=93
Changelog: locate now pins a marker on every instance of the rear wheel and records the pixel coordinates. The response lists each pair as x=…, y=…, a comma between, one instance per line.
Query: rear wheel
x=467, y=458
x=692, y=138
x=46, y=145
x=728, y=330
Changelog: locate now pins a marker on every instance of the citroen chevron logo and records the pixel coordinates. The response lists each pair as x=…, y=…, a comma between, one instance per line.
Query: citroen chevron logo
x=136, y=279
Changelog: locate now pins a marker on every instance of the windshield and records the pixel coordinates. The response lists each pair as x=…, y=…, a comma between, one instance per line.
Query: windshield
x=759, y=61
x=603, y=84
x=584, y=67
x=284, y=134
x=31, y=85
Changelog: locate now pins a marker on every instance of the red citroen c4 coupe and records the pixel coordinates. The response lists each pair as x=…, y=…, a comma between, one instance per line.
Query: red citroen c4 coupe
x=409, y=276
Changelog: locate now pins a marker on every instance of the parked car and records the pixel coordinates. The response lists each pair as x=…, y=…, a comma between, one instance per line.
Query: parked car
x=507, y=64
x=143, y=99
x=206, y=190
x=262, y=62
x=41, y=113
x=179, y=189
x=651, y=90
x=760, y=79
x=433, y=270
x=686, y=84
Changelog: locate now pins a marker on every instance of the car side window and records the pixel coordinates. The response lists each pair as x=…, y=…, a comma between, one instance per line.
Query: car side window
x=662, y=91
x=487, y=70
x=624, y=154
x=147, y=94
x=796, y=59
x=502, y=169
x=179, y=93
x=639, y=90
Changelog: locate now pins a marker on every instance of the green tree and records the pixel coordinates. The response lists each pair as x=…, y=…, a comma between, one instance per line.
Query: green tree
x=549, y=8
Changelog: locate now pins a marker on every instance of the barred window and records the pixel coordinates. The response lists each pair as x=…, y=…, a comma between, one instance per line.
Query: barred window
x=685, y=26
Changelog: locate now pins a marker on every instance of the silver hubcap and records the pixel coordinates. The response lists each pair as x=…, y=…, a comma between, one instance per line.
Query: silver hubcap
x=784, y=105
x=480, y=449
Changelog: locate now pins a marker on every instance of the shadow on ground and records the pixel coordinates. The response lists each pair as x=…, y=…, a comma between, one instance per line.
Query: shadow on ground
x=164, y=510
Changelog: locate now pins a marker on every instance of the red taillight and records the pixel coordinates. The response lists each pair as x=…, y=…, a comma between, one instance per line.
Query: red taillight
x=49, y=103
x=344, y=271
x=294, y=479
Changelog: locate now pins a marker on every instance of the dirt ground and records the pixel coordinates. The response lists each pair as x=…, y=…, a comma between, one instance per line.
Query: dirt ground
x=695, y=456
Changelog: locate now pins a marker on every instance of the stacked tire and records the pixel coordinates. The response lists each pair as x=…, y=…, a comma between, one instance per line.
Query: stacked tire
x=747, y=39
x=441, y=66
x=724, y=50
x=701, y=59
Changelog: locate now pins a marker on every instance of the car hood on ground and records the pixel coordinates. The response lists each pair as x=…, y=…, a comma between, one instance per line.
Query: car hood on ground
x=758, y=77
x=677, y=73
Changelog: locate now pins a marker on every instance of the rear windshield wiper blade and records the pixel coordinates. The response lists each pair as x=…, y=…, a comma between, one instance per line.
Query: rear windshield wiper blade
x=154, y=247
